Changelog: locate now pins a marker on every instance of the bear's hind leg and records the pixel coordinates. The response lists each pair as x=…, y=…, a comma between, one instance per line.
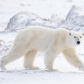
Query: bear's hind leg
x=8, y=58
x=29, y=60
x=15, y=53
x=72, y=57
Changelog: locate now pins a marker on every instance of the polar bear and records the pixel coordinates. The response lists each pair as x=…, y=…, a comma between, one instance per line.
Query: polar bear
x=30, y=41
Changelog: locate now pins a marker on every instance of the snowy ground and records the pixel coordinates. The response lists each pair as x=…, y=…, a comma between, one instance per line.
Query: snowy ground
x=46, y=9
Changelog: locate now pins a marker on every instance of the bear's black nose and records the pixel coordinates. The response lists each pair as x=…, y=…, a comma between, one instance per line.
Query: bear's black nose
x=78, y=42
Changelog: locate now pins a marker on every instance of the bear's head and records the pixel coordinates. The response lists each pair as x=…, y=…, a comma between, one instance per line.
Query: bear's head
x=74, y=39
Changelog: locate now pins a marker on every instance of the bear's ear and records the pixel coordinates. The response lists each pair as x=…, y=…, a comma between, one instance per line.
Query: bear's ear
x=70, y=34
x=83, y=34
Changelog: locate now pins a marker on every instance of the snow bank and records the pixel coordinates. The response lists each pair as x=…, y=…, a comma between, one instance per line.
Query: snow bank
x=74, y=20
x=23, y=19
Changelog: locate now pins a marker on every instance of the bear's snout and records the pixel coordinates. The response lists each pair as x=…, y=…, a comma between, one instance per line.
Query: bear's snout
x=78, y=42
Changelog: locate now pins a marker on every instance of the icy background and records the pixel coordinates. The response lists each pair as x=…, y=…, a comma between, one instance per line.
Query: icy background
x=19, y=14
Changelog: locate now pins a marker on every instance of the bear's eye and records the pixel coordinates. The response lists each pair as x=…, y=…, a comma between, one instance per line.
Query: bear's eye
x=74, y=36
x=80, y=36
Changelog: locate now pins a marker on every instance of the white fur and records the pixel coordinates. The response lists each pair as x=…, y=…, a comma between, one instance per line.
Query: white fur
x=51, y=41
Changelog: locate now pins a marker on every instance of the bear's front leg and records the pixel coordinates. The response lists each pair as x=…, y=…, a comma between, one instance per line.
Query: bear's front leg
x=49, y=59
x=72, y=57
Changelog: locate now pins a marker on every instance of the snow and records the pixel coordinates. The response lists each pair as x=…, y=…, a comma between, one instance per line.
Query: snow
x=42, y=77
x=18, y=14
